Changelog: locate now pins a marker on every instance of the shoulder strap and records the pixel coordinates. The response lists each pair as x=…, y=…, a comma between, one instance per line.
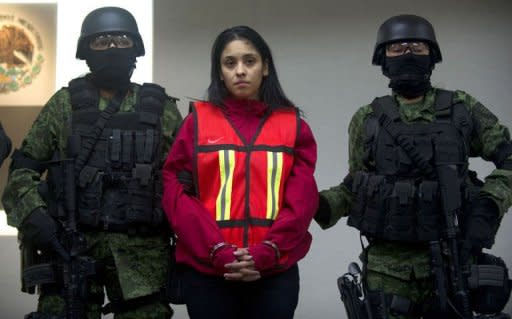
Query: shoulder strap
x=83, y=94
x=150, y=103
x=387, y=114
x=386, y=111
x=443, y=106
x=98, y=127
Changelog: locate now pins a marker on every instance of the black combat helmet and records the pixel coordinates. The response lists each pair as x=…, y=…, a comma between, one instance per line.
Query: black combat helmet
x=405, y=27
x=108, y=20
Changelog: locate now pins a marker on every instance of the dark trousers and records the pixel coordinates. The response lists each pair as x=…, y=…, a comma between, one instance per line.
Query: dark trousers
x=211, y=297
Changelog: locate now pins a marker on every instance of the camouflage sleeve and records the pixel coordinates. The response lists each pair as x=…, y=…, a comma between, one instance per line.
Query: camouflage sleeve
x=488, y=136
x=21, y=194
x=340, y=197
x=170, y=123
x=356, y=139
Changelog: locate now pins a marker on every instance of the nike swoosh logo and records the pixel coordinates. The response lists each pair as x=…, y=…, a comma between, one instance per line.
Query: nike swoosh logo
x=215, y=140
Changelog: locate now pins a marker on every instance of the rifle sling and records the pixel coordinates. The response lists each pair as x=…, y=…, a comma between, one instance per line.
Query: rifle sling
x=86, y=149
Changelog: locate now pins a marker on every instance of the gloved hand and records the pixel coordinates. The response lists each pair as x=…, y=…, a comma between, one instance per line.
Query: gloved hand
x=39, y=228
x=323, y=214
x=187, y=181
x=480, y=228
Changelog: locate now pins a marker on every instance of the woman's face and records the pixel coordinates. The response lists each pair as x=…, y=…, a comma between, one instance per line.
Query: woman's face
x=242, y=69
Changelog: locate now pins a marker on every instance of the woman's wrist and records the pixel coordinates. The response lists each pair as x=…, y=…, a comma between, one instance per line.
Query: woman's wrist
x=219, y=246
x=222, y=254
x=275, y=248
x=265, y=255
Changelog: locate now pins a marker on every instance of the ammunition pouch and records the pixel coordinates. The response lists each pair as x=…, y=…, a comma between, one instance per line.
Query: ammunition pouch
x=402, y=209
x=37, y=268
x=489, y=284
x=395, y=210
x=121, y=204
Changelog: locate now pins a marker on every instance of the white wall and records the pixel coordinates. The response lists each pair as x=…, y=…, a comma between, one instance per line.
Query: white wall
x=323, y=51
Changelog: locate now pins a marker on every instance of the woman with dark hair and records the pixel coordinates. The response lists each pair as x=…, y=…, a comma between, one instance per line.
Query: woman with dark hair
x=239, y=190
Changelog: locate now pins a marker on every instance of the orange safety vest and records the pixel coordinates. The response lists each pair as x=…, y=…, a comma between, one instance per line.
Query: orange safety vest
x=242, y=184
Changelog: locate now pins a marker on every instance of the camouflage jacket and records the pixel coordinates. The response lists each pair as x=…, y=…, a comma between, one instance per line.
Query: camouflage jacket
x=48, y=135
x=489, y=134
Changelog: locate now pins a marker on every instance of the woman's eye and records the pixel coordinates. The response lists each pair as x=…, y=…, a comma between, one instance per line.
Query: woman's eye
x=229, y=64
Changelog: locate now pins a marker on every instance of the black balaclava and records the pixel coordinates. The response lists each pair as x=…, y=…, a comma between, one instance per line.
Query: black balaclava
x=112, y=68
x=409, y=74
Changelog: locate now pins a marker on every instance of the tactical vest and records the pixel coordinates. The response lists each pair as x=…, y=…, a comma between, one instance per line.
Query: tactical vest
x=399, y=198
x=241, y=183
x=119, y=188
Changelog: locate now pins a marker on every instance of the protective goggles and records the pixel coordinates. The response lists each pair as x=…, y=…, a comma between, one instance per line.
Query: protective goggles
x=106, y=41
x=416, y=47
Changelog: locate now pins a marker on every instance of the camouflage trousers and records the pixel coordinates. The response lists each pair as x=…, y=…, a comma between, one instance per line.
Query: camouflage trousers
x=399, y=269
x=100, y=248
x=417, y=290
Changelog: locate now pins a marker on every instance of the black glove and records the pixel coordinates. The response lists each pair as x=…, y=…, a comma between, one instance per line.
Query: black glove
x=39, y=228
x=5, y=145
x=187, y=181
x=481, y=227
x=323, y=214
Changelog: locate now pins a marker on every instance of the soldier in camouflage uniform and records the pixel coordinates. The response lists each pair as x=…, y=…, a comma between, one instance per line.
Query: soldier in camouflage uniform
x=119, y=187
x=5, y=145
x=391, y=194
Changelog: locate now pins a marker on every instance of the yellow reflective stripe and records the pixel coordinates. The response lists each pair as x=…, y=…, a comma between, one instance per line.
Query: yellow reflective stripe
x=274, y=173
x=226, y=167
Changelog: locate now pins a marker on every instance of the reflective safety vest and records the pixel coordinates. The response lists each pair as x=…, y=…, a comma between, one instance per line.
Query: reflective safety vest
x=241, y=183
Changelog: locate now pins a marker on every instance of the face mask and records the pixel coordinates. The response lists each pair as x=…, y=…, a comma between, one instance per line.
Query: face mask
x=409, y=74
x=112, y=68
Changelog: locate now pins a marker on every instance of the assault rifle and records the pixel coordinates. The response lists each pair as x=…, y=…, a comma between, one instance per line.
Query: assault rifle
x=74, y=266
x=79, y=267
x=450, y=187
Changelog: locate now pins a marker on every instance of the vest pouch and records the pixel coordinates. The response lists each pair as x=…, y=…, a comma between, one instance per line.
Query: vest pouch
x=400, y=220
x=375, y=208
x=470, y=191
x=141, y=209
x=429, y=211
x=359, y=188
x=90, y=190
x=128, y=209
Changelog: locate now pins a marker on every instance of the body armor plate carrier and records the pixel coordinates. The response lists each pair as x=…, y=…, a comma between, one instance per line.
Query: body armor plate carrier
x=399, y=200
x=119, y=187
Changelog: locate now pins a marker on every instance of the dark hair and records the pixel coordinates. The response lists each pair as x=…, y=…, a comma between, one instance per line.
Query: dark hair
x=271, y=92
